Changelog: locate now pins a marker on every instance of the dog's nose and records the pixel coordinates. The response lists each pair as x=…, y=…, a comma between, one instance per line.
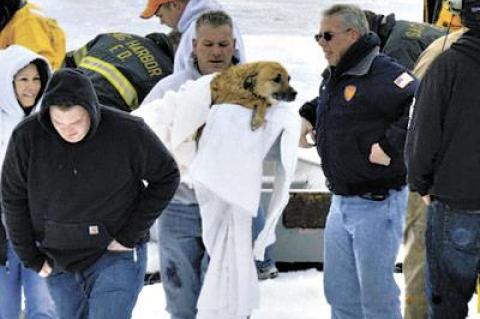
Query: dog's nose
x=287, y=96
x=291, y=94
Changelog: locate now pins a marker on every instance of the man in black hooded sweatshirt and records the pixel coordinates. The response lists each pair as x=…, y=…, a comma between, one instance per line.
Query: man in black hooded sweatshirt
x=81, y=185
x=443, y=158
x=361, y=122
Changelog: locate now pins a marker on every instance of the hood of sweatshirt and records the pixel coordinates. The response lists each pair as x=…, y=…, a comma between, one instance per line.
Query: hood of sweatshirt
x=70, y=87
x=193, y=9
x=469, y=44
x=12, y=60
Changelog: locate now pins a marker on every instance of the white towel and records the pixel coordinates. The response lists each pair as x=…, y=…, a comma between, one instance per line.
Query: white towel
x=227, y=177
x=176, y=117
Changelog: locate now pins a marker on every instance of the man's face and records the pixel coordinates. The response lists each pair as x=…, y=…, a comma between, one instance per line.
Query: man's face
x=170, y=13
x=72, y=123
x=335, y=38
x=214, y=47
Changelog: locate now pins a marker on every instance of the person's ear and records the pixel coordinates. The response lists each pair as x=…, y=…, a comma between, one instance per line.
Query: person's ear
x=354, y=34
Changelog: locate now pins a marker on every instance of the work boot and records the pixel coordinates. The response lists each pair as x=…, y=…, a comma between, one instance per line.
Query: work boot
x=267, y=273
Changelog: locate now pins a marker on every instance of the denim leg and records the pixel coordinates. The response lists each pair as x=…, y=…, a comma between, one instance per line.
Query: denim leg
x=377, y=239
x=453, y=256
x=114, y=282
x=362, y=239
x=107, y=289
x=10, y=286
x=67, y=291
x=39, y=303
x=182, y=255
x=257, y=226
x=342, y=289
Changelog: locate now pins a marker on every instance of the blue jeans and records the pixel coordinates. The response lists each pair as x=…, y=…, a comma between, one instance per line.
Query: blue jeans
x=39, y=304
x=453, y=259
x=257, y=226
x=182, y=258
x=362, y=238
x=107, y=289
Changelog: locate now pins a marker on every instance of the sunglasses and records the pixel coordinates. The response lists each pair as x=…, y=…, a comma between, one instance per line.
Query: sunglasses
x=327, y=35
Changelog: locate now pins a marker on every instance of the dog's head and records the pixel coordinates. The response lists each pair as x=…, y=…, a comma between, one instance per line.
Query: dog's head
x=269, y=80
x=253, y=85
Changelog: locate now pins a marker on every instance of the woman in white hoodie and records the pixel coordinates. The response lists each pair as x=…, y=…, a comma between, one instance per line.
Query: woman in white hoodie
x=23, y=78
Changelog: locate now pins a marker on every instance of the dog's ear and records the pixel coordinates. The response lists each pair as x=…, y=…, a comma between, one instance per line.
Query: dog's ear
x=249, y=81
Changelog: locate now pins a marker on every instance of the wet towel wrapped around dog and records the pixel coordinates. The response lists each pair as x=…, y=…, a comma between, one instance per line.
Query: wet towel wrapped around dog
x=227, y=177
x=177, y=116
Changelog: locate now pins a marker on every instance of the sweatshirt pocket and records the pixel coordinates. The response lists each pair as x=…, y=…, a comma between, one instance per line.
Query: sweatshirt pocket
x=78, y=236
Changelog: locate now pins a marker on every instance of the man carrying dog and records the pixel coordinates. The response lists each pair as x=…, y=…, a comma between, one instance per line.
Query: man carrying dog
x=180, y=233
x=81, y=185
x=360, y=123
x=180, y=15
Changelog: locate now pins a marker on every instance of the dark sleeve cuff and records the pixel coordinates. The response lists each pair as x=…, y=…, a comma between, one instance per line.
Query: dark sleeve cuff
x=422, y=190
x=387, y=147
x=309, y=110
x=125, y=240
x=3, y=253
x=3, y=245
x=37, y=264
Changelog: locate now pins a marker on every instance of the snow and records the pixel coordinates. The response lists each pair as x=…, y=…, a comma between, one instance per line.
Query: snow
x=280, y=30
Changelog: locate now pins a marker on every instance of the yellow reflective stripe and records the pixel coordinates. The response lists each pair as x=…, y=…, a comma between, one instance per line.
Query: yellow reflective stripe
x=79, y=55
x=478, y=293
x=115, y=77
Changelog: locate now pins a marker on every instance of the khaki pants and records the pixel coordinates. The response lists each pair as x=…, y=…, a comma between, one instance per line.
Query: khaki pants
x=414, y=262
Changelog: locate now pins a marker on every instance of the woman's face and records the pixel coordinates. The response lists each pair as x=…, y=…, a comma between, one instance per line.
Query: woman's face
x=27, y=84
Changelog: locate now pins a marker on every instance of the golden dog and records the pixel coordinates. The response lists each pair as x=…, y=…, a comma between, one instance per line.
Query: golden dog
x=255, y=85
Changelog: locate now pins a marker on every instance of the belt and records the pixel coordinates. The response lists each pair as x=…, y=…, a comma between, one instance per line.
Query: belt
x=374, y=196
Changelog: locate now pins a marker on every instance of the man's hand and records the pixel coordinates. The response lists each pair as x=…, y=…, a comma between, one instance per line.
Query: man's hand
x=46, y=270
x=116, y=246
x=378, y=156
x=307, y=135
x=427, y=199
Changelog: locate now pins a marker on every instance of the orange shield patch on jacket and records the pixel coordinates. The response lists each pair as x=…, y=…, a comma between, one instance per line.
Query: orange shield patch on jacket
x=349, y=92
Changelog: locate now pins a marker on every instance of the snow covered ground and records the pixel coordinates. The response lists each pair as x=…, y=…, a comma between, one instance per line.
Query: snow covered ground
x=293, y=295
x=280, y=30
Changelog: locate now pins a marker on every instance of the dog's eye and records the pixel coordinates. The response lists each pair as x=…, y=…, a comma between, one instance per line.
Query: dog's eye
x=278, y=78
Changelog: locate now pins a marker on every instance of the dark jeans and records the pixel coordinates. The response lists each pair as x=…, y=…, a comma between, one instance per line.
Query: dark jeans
x=453, y=256
x=107, y=289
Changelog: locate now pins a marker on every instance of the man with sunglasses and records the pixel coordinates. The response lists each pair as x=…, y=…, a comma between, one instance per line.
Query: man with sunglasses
x=359, y=124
